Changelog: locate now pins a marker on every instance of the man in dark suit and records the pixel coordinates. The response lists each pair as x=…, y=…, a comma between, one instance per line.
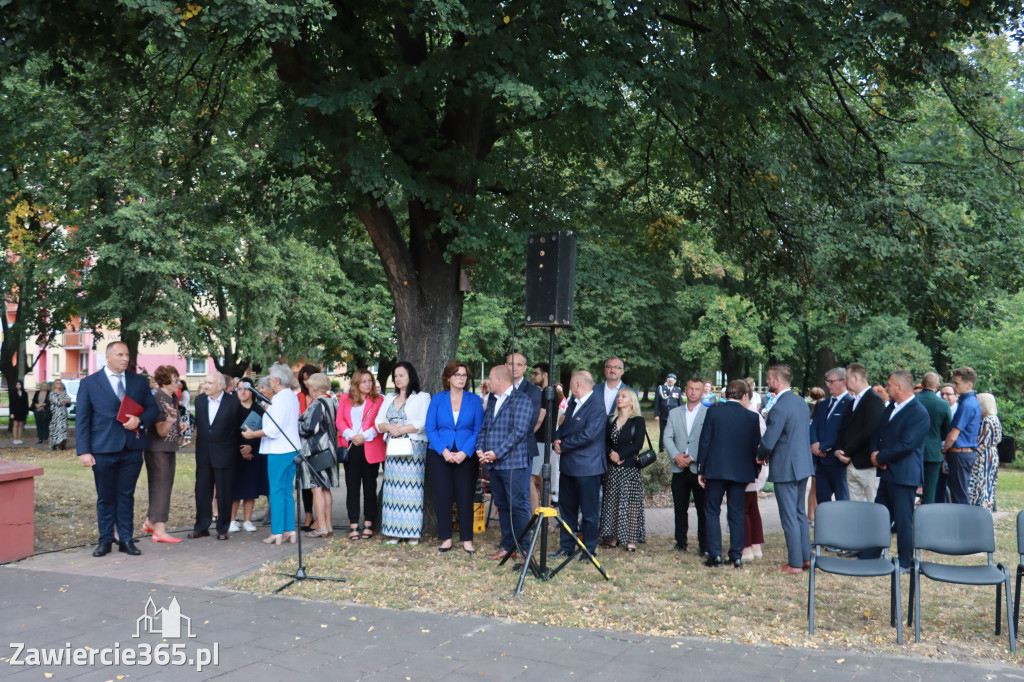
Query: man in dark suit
x=938, y=413
x=854, y=445
x=829, y=472
x=899, y=455
x=580, y=442
x=505, y=445
x=726, y=463
x=113, y=449
x=218, y=434
x=787, y=443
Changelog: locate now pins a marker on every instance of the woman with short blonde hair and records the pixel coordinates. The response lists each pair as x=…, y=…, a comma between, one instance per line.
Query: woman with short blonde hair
x=982, y=488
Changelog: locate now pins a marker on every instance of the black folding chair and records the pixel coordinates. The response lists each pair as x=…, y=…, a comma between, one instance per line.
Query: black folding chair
x=855, y=526
x=957, y=530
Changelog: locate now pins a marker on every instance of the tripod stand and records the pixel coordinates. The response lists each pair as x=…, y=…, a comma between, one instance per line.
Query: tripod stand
x=539, y=522
x=300, y=573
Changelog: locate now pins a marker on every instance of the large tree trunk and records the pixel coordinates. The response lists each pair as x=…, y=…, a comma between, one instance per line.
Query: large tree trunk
x=425, y=288
x=826, y=360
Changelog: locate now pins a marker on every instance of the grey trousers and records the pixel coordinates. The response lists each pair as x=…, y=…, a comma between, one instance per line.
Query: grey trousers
x=793, y=515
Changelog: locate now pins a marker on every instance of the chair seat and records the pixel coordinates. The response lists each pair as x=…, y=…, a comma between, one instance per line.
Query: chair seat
x=963, y=575
x=854, y=567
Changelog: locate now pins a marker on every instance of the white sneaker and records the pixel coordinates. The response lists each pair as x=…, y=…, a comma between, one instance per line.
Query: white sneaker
x=249, y=527
x=234, y=527
x=413, y=543
x=392, y=541
x=17, y=442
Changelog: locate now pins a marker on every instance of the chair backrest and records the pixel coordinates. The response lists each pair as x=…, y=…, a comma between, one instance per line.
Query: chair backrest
x=955, y=529
x=852, y=525
x=1020, y=535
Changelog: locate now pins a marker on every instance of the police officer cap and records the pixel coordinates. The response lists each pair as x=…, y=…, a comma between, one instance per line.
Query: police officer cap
x=672, y=376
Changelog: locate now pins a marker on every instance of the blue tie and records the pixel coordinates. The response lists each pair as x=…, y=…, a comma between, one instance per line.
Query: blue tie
x=120, y=387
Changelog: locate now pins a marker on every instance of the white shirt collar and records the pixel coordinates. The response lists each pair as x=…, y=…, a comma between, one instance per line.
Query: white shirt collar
x=581, y=401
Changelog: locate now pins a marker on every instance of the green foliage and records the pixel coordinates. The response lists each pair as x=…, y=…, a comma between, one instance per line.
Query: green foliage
x=996, y=352
x=885, y=344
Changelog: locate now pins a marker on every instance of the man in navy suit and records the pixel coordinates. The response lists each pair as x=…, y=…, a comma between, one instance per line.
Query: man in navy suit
x=726, y=463
x=580, y=442
x=829, y=472
x=112, y=449
x=505, y=444
x=899, y=456
x=787, y=442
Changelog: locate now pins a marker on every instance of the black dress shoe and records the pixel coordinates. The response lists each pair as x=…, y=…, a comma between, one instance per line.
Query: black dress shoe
x=102, y=549
x=223, y=536
x=679, y=548
x=713, y=561
x=128, y=548
x=738, y=563
x=198, y=534
x=704, y=554
x=560, y=554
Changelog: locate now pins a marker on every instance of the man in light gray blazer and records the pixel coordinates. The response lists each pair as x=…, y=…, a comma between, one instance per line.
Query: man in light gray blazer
x=682, y=438
x=787, y=444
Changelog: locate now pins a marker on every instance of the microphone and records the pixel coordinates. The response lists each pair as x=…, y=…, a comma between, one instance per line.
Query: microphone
x=259, y=397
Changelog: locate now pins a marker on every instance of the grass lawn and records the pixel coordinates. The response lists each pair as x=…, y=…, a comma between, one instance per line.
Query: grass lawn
x=654, y=591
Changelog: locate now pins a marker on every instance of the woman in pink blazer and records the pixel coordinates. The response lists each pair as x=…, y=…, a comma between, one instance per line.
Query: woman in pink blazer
x=356, y=413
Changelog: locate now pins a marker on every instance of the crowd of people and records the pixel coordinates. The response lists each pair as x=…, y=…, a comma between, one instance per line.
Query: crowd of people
x=858, y=443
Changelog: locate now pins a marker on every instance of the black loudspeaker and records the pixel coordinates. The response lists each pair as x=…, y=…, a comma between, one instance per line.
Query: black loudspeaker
x=550, y=279
x=1007, y=450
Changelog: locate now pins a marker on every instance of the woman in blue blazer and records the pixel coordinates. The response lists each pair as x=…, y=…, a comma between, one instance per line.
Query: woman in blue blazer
x=453, y=420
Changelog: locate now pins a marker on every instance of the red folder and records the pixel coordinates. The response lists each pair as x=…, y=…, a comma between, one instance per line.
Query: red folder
x=129, y=408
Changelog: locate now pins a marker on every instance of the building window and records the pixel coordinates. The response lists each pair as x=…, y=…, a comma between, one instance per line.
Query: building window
x=195, y=366
x=29, y=359
x=56, y=365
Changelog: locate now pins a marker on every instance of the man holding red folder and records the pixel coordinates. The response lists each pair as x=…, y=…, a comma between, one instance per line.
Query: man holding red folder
x=110, y=434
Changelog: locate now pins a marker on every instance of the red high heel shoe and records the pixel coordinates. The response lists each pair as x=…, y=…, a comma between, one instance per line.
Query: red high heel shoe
x=146, y=528
x=168, y=539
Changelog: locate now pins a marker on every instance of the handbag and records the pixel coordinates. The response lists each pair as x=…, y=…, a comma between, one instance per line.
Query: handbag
x=342, y=455
x=399, y=447
x=648, y=456
x=321, y=461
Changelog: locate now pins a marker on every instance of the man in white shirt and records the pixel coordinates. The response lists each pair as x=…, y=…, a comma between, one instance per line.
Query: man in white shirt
x=613, y=370
x=682, y=438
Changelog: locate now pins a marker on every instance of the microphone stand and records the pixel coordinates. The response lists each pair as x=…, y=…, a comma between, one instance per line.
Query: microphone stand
x=300, y=573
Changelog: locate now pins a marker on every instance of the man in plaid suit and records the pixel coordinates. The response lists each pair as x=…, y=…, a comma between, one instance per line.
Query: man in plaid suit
x=505, y=444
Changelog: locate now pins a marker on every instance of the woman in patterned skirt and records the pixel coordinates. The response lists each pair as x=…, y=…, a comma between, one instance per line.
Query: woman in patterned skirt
x=622, y=509
x=59, y=402
x=986, y=467
x=403, y=415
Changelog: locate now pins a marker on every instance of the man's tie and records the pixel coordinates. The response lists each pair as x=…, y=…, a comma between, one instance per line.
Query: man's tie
x=120, y=386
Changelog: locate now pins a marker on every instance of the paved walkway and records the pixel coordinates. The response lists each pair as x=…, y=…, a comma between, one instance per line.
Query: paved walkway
x=258, y=638
x=67, y=600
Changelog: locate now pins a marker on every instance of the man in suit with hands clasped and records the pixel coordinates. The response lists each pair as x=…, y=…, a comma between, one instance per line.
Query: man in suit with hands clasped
x=111, y=448
x=580, y=443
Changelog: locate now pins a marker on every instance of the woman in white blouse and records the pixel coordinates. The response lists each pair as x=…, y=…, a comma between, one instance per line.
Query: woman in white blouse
x=280, y=434
x=403, y=415
x=357, y=412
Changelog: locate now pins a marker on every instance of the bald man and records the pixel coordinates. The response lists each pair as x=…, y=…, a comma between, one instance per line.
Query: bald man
x=580, y=443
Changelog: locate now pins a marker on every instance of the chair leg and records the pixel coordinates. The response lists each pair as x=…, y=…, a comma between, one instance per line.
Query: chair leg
x=1009, y=625
x=1016, y=599
x=915, y=587
x=897, y=601
x=910, y=601
x=999, y=613
x=892, y=598
x=810, y=602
